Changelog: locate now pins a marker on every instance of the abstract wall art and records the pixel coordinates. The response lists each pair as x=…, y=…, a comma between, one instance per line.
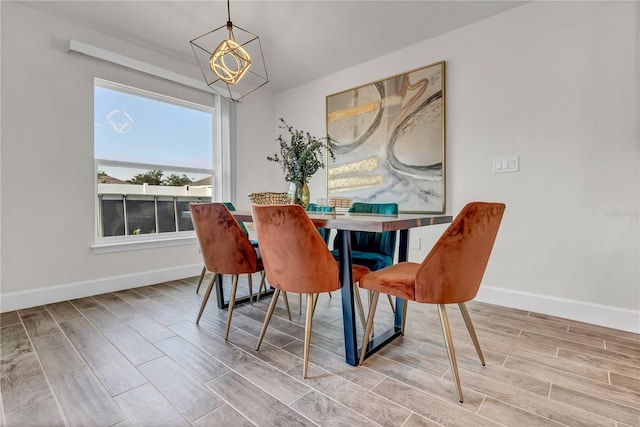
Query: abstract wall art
x=389, y=141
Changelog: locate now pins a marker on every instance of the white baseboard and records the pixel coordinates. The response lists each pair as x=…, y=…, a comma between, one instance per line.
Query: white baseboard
x=48, y=295
x=595, y=314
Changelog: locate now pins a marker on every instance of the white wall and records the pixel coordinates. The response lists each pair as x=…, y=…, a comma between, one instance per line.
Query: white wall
x=47, y=142
x=256, y=131
x=556, y=84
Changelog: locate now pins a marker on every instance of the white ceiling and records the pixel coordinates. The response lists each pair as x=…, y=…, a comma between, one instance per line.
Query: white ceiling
x=302, y=40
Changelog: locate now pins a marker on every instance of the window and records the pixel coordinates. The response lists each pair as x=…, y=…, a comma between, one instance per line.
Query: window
x=153, y=156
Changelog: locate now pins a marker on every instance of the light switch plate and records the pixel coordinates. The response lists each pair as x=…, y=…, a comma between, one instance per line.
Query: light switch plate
x=415, y=242
x=506, y=164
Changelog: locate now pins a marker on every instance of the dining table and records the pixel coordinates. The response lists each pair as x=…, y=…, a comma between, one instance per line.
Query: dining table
x=344, y=223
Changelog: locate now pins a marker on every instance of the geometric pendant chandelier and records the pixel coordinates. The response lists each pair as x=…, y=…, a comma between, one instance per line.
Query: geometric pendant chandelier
x=231, y=62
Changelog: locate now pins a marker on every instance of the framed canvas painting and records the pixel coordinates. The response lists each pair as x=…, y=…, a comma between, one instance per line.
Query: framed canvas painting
x=388, y=138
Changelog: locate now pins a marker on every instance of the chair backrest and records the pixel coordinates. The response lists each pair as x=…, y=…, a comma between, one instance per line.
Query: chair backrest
x=383, y=243
x=295, y=257
x=453, y=269
x=225, y=247
x=324, y=232
x=269, y=198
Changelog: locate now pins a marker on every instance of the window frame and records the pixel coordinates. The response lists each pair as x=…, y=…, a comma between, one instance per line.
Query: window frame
x=221, y=117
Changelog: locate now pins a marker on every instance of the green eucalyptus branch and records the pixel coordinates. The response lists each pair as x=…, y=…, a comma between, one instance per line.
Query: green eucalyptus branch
x=302, y=155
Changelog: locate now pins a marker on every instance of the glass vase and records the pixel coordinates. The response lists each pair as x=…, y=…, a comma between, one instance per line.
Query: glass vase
x=299, y=193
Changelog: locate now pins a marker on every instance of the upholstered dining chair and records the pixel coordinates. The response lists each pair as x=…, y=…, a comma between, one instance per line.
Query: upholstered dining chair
x=232, y=208
x=272, y=198
x=373, y=250
x=450, y=274
x=296, y=259
x=225, y=248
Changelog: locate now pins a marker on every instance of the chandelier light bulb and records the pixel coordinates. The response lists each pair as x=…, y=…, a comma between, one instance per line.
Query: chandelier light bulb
x=230, y=61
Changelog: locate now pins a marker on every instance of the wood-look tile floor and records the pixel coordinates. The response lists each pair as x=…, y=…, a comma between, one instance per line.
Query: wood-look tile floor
x=137, y=358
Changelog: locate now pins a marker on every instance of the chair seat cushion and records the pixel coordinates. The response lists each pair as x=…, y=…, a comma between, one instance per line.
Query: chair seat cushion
x=373, y=261
x=398, y=280
x=357, y=271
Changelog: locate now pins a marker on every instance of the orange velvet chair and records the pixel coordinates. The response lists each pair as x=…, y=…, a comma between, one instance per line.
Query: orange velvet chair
x=225, y=249
x=296, y=259
x=450, y=274
x=229, y=206
x=271, y=198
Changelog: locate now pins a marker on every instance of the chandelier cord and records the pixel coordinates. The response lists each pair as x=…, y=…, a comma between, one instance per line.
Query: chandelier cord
x=229, y=23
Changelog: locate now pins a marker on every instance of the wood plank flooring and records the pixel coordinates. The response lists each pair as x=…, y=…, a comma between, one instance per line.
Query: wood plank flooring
x=137, y=358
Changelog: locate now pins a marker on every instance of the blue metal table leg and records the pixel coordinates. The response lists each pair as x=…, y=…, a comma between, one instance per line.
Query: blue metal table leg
x=403, y=255
x=382, y=339
x=348, y=312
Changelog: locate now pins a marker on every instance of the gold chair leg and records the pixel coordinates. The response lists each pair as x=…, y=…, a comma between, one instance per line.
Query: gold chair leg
x=286, y=304
x=250, y=281
x=267, y=319
x=262, y=285
x=393, y=307
x=472, y=331
x=356, y=294
x=232, y=300
x=405, y=304
x=370, y=297
x=204, y=271
x=315, y=300
x=449, y=344
x=367, y=331
x=307, y=333
x=206, y=297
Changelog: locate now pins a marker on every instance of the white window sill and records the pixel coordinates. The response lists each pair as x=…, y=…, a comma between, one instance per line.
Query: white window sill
x=129, y=244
